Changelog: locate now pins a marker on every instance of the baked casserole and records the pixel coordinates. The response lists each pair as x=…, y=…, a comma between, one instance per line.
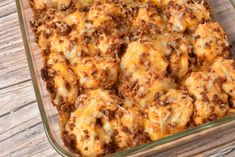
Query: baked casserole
x=126, y=72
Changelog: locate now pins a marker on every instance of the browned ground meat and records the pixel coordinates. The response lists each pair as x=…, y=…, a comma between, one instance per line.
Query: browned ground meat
x=125, y=72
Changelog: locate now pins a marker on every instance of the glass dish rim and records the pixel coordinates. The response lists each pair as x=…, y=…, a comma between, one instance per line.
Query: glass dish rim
x=130, y=151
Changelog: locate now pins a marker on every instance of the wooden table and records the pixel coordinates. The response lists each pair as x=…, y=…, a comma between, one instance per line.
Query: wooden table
x=21, y=130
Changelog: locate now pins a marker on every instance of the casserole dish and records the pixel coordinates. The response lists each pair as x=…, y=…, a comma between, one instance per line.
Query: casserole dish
x=49, y=113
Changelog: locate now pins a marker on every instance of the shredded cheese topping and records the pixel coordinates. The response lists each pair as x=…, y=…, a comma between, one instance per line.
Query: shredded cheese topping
x=125, y=72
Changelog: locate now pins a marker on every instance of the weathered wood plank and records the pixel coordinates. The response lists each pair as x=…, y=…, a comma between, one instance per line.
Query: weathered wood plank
x=226, y=150
x=17, y=121
x=22, y=134
x=10, y=68
x=12, y=57
x=22, y=93
x=7, y=7
x=26, y=143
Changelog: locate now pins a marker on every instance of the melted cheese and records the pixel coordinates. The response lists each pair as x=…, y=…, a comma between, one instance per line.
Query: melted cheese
x=186, y=16
x=211, y=41
x=122, y=73
x=169, y=115
x=117, y=124
x=225, y=69
x=211, y=101
x=94, y=72
x=141, y=57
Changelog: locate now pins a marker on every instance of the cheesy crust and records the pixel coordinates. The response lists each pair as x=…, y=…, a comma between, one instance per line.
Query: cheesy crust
x=210, y=99
x=141, y=76
x=95, y=72
x=170, y=114
x=210, y=42
x=126, y=72
x=226, y=70
x=102, y=118
x=186, y=16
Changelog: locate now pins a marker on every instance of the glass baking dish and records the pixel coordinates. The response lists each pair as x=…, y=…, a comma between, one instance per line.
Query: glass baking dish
x=49, y=114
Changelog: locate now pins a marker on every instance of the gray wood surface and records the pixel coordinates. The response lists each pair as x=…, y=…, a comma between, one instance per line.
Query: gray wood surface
x=21, y=130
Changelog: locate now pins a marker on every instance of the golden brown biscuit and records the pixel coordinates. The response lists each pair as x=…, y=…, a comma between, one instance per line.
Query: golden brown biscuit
x=130, y=126
x=148, y=22
x=210, y=100
x=101, y=124
x=141, y=57
x=103, y=12
x=96, y=72
x=180, y=47
x=210, y=42
x=62, y=84
x=143, y=73
x=225, y=68
x=55, y=4
x=186, y=16
x=163, y=3
x=170, y=114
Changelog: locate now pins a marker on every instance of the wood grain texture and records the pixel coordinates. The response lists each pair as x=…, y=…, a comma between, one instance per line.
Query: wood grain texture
x=21, y=130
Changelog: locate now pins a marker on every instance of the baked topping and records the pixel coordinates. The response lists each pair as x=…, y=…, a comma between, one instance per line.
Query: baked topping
x=210, y=41
x=125, y=72
x=186, y=16
x=170, y=114
x=102, y=123
x=95, y=72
